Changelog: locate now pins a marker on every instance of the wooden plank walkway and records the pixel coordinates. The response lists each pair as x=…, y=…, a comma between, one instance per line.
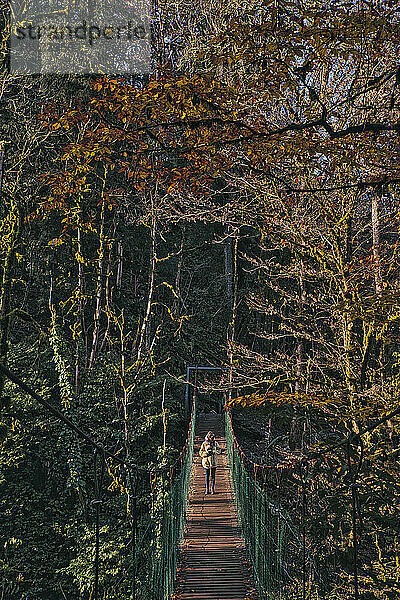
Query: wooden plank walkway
x=213, y=564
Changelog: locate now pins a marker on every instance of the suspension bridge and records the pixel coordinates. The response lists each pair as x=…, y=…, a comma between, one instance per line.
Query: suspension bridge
x=213, y=562
x=239, y=544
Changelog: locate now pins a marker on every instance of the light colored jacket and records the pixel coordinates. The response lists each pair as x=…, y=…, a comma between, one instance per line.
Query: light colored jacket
x=209, y=455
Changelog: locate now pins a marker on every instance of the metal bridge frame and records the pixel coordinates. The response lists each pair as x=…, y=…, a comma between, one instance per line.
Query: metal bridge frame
x=188, y=384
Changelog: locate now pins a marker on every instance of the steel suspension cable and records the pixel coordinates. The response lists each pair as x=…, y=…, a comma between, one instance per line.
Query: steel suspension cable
x=161, y=568
x=59, y=415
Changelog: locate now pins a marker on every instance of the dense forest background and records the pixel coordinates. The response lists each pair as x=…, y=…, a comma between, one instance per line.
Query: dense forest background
x=236, y=207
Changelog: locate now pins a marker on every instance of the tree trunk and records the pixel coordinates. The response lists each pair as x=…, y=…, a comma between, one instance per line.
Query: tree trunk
x=231, y=273
x=144, y=340
x=5, y=292
x=120, y=256
x=375, y=202
x=124, y=388
x=228, y=252
x=375, y=205
x=178, y=297
x=99, y=285
x=164, y=416
x=297, y=424
x=81, y=325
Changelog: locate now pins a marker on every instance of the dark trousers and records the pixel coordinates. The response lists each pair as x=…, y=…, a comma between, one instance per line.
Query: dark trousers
x=212, y=473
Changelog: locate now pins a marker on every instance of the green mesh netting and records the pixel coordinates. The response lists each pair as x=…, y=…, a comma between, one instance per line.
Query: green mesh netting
x=273, y=545
x=161, y=525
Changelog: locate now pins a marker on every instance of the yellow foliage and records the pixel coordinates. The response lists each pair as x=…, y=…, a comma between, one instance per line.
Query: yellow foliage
x=280, y=398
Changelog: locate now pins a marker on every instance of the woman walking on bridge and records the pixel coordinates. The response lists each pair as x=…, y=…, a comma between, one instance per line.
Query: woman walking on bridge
x=208, y=452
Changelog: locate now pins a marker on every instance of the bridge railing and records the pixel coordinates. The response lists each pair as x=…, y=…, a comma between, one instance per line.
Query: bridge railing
x=160, y=524
x=273, y=544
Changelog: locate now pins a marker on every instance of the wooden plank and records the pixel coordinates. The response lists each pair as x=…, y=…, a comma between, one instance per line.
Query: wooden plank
x=213, y=563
